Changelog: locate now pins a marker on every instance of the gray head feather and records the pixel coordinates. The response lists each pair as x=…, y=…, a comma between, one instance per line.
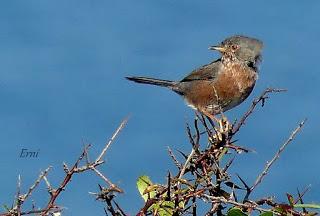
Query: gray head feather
x=249, y=48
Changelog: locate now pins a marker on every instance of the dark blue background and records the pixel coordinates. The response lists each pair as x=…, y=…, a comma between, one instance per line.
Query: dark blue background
x=61, y=85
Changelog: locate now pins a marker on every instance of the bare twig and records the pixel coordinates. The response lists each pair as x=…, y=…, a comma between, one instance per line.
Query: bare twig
x=19, y=201
x=123, y=123
x=191, y=138
x=75, y=169
x=49, y=187
x=41, y=176
x=103, y=177
x=113, y=186
x=119, y=208
x=300, y=195
x=175, y=160
x=216, y=199
x=277, y=155
x=182, y=171
x=195, y=146
x=56, y=192
x=255, y=102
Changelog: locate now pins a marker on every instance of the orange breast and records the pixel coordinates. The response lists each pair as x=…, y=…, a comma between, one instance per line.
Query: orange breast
x=232, y=86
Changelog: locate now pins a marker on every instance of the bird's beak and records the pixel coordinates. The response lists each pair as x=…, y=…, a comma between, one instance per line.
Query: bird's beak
x=218, y=48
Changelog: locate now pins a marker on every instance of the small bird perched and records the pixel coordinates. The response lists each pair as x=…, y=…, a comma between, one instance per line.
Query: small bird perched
x=222, y=84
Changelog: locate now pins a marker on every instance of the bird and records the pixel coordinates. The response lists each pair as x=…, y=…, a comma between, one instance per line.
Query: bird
x=224, y=83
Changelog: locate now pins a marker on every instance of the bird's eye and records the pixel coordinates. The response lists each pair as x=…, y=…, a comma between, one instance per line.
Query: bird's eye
x=234, y=47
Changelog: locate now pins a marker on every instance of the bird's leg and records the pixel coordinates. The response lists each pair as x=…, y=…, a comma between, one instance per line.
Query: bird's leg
x=223, y=125
x=209, y=115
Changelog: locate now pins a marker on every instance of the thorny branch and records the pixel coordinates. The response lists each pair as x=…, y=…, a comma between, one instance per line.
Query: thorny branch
x=56, y=192
x=277, y=155
x=202, y=175
x=255, y=102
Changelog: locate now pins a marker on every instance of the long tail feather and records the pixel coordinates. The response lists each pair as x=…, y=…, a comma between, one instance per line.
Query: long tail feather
x=152, y=81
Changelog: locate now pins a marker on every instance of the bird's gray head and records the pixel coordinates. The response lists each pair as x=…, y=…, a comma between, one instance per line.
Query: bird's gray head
x=242, y=47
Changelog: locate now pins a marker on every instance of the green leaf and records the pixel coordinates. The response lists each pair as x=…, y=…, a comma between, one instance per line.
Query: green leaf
x=315, y=206
x=267, y=214
x=166, y=208
x=143, y=184
x=181, y=204
x=236, y=212
x=162, y=208
x=181, y=191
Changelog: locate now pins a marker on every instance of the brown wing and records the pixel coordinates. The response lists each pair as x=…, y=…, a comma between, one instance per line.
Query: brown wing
x=206, y=72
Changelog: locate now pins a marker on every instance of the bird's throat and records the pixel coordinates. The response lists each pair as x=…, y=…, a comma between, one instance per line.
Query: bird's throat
x=229, y=59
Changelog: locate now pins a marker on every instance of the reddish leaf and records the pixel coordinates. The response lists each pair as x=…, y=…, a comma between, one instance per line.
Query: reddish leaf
x=290, y=199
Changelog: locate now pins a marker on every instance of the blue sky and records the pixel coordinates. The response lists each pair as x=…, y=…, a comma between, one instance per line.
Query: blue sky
x=62, y=84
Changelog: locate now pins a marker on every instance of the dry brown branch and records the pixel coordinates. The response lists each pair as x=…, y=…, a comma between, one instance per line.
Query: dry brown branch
x=277, y=155
x=203, y=175
x=36, y=183
x=55, y=192
x=18, y=204
x=255, y=102
x=174, y=158
x=182, y=171
x=104, y=150
x=89, y=166
x=248, y=205
x=21, y=198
